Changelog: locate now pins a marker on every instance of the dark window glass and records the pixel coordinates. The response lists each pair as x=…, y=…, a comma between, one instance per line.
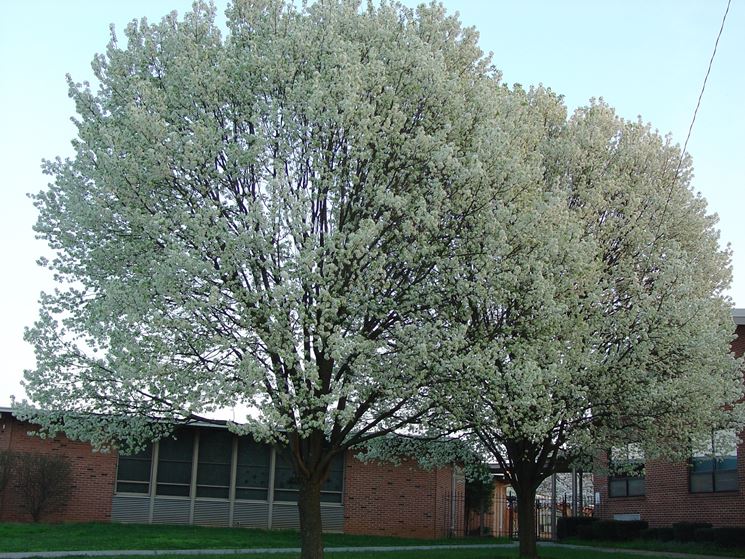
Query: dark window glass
x=133, y=472
x=284, y=473
x=636, y=486
x=702, y=465
x=252, y=472
x=289, y=495
x=725, y=480
x=174, y=464
x=617, y=488
x=711, y=474
x=627, y=472
x=627, y=486
x=250, y=494
x=127, y=487
x=173, y=490
x=286, y=484
x=329, y=497
x=331, y=492
x=213, y=470
x=702, y=483
x=174, y=472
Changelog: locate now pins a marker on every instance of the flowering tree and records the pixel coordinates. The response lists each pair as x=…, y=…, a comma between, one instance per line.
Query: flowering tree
x=265, y=220
x=600, y=319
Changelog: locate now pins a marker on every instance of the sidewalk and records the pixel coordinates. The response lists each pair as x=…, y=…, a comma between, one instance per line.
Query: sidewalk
x=275, y=550
x=640, y=552
x=252, y=551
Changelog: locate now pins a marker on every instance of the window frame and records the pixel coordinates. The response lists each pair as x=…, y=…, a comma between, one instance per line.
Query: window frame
x=328, y=496
x=248, y=440
x=135, y=457
x=709, y=455
x=203, y=463
x=179, y=436
x=634, y=462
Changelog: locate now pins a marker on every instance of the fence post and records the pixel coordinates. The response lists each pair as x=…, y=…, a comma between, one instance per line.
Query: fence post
x=574, y=492
x=511, y=515
x=553, y=506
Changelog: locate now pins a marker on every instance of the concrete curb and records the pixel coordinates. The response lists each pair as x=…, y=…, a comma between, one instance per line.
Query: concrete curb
x=640, y=552
x=251, y=551
x=276, y=550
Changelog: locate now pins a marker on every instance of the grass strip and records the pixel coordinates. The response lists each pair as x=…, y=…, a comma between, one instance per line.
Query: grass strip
x=672, y=547
x=460, y=553
x=99, y=536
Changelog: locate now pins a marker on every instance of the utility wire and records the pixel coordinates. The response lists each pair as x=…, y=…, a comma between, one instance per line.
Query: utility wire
x=693, y=120
x=701, y=94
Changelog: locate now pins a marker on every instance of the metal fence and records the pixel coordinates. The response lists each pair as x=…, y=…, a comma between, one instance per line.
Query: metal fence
x=500, y=518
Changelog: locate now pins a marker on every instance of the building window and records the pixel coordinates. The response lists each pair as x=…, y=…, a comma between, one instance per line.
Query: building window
x=331, y=492
x=213, y=469
x=252, y=472
x=133, y=472
x=174, y=464
x=286, y=484
x=714, y=467
x=627, y=472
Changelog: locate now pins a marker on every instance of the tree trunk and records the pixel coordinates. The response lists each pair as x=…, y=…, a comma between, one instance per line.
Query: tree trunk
x=311, y=530
x=526, y=523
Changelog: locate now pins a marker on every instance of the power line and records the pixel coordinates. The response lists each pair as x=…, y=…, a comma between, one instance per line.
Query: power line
x=703, y=88
x=693, y=120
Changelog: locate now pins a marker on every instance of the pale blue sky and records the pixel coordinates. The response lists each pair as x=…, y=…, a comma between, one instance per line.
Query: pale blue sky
x=644, y=57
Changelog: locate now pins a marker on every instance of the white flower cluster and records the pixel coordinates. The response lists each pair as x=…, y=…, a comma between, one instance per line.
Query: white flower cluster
x=340, y=217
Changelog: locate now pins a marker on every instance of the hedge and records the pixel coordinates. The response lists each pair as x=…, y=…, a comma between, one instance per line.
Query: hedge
x=568, y=527
x=729, y=536
x=618, y=530
x=685, y=531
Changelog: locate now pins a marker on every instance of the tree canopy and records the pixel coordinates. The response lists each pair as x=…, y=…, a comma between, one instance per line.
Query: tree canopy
x=600, y=320
x=340, y=218
x=266, y=220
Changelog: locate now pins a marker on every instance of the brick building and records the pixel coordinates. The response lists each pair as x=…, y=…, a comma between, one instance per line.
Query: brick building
x=208, y=476
x=702, y=489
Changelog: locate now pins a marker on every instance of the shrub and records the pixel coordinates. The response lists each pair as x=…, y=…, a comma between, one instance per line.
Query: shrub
x=568, y=527
x=703, y=535
x=618, y=530
x=665, y=534
x=45, y=482
x=631, y=529
x=650, y=534
x=684, y=531
x=584, y=531
x=729, y=536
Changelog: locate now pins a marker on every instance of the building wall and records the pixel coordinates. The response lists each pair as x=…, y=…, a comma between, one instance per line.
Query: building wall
x=379, y=498
x=93, y=476
x=397, y=500
x=668, y=498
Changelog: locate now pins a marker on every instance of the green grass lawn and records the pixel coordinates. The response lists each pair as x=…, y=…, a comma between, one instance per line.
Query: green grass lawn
x=462, y=553
x=676, y=547
x=60, y=537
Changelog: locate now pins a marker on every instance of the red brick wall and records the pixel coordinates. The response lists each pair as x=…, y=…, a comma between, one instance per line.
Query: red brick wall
x=668, y=498
x=738, y=346
x=93, y=473
x=405, y=500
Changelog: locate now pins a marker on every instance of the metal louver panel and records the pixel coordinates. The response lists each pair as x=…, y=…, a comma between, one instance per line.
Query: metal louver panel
x=251, y=515
x=332, y=518
x=211, y=513
x=171, y=511
x=285, y=516
x=130, y=509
